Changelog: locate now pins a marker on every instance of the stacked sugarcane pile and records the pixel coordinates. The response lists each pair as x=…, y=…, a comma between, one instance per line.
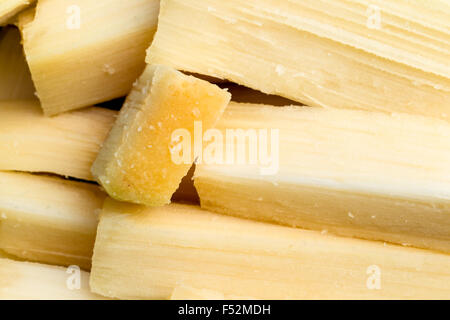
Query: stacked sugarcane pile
x=328, y=177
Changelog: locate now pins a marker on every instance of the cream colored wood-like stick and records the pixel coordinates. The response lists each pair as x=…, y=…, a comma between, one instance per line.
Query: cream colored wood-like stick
x=65, y=145
x=145, y=253
x=48, y=219
x=34, y=281
x=389, y=56
x=189, y=293
x=85, y=52
x=352, y=173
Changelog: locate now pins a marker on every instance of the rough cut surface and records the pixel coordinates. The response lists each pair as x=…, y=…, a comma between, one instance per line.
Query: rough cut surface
x=320, y=52
x=352, y=173
x=136, y=162
x=145, y=253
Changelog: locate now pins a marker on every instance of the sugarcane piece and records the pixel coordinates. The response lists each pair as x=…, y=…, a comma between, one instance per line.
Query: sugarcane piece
x=34, y=281
x=190, y=293
x=352, y=173
x=139, y=161
x=85, y=52
x=15, y=78
x=9, y=8
x=390, y=56
x=48, y=219
x=145, y=253
x=65, y=145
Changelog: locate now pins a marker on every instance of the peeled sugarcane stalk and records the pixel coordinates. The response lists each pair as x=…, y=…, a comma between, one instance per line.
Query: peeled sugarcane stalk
x=190, y=293
x=9, y=8
x=390, y=57
x=15, y=78
x=84, y=52
x=34, y=281
x=48, y=219
x=145, y=253
x=136, y=162
x=352, y=173
x=66, y=145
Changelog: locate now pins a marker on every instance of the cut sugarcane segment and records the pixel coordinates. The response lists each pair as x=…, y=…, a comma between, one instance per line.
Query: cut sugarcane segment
x=190, y=293
x=145, y=253
x=85, y=52
x=34, y=281
x=139, y=161
x=323, y=53
x=48, y=219
x=9, y=8
x=66, y=145
x=15, y=78
x=352, y=173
